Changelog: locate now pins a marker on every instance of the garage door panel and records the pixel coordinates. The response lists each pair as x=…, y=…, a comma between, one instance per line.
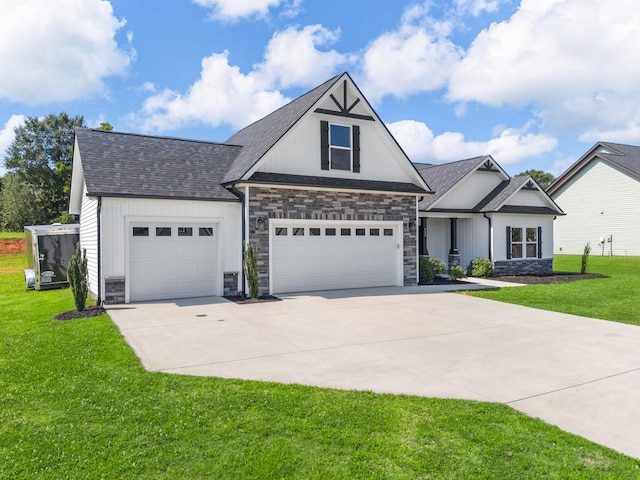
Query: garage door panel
x=176, y=266
x=322, y=262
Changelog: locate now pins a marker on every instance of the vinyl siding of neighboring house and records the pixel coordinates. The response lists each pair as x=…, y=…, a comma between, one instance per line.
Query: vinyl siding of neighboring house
x=599, y=202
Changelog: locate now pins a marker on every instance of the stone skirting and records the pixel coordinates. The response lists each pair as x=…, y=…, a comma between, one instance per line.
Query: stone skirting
x=230, y=286
x=531, y=266
x=453, y=260
x=277, y=203
x=114, y=290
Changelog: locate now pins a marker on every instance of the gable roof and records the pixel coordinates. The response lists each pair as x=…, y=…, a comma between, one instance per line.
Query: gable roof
x=125, y=164
x=496, y=199
x=625, y=157
x=441, y=178
x=257, y=138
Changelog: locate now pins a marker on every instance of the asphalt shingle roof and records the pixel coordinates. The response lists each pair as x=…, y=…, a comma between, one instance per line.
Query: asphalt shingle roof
x=124, y=164
x=260, y=136
x=630, y=158
x=441, y=178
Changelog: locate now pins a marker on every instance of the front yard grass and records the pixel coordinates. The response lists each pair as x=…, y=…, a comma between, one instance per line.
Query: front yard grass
x=614, y=298
x=75, y=402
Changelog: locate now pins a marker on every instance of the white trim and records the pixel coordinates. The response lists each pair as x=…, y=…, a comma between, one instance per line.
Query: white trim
x=325, y=189
x=129, y=220
x=429, y=214
x=398, y=225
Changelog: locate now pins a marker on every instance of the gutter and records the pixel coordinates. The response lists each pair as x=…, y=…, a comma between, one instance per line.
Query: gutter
x=489, y=243
x=99, y=299
x=243, y=200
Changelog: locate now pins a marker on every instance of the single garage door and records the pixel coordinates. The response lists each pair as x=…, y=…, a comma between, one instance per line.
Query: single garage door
x=172, y=260
x=324, y=256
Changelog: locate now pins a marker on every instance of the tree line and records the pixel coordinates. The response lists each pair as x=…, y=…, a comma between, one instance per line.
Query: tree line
x=35, y=189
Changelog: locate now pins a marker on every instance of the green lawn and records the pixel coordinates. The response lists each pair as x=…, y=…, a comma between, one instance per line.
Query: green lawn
x=76, y=403
x=4, y=235
x=614, y=298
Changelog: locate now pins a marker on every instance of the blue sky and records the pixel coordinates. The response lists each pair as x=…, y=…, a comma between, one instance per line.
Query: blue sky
x=534, y=83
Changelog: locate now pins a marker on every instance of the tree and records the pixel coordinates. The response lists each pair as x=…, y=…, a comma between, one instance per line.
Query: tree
x=105, y=126
x=77, y=277
x=16, y=199
x=544, y=179
x=40, y=161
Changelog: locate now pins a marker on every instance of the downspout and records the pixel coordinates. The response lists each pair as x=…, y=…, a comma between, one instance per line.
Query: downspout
x=243, y=200
x=99, y=299
x=489, y=243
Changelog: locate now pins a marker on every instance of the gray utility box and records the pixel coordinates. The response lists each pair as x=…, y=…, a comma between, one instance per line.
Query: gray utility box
x=49, y=249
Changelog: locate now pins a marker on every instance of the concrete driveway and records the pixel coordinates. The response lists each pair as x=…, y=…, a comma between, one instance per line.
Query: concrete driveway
x=580, y=374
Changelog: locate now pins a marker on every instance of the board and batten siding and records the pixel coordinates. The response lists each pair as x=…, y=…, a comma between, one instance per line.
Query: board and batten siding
x=116, y=211
x=473, y=238
x=471, y=190
x=600, y=201
x=89, y=237
x=531, y=198
x=500, y=222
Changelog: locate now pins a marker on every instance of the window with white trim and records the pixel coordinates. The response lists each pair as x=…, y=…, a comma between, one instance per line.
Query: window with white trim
x=340, y=147
x=523, y=242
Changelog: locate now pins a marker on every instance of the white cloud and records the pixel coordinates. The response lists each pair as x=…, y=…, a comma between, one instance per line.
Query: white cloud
x=509, y=146
x=234, y=9
x=417, y=57
x=476, y=7
x=576, y=61
x=223, y=94
x=292, y=58
x=6, y=137
x=58, y=51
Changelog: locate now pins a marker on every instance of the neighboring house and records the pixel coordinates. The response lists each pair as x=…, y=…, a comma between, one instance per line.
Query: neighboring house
x=600, y=194
x=320, y=186
x=477, y=210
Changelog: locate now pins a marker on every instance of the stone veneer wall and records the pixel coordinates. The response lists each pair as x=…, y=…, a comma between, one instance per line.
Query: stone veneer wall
x=282, y=203
x=114, y=290
x=231, y=285
x=531, y=266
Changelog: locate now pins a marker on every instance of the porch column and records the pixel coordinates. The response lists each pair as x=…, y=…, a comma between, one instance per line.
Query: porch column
x=422, y=243
x=454, y=254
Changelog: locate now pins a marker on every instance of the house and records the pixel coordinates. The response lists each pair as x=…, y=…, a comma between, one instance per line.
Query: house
x=477, y=210
x=600, y=194
x=320, y=186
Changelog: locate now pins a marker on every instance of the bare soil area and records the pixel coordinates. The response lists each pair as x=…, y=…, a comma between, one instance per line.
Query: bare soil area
x=10, y=246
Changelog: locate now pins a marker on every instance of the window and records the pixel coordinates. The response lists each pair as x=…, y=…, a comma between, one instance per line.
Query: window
x=360, y=232
x=345, y=232
x=185, y=231
x=205, y=231
x=388, y=232
x=340, y=147
x=374, y=232
x=523, y=242
x=314, y=232
x=140, y=231
x=298, y=232
x=163, y=231
x=281, y=232
x=330, y=232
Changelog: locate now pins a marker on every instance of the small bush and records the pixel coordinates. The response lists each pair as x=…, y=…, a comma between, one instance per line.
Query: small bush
x=77, y=277
x=480, y=267
x=437, y=265
x=456, y=272
x=427, y=274
x=251, y=268
x=585, y=258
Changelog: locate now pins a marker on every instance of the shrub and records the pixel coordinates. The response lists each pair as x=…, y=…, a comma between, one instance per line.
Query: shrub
x=437, y=265
x=457, y=272
x=480, y=267
x=77, y=277
x=585, y=258
x=427, y=274
x=250, y=262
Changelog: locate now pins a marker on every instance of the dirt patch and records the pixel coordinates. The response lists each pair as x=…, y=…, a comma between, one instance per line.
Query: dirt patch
x=12, y=246
x=556, y=277
x=240, y=300
x=93, y=311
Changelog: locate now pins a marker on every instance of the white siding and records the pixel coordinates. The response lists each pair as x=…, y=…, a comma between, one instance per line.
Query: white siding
x=599, y=202
x=530, y=198
x=473, y=238
x=500, y=222
x=89, y=237
x=116, y=212
x=468, y=192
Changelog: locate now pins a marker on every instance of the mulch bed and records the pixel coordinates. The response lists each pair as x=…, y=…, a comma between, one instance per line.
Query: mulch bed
x=92, y=311
x=240, y=300
x=444, y=281
x=556, y=277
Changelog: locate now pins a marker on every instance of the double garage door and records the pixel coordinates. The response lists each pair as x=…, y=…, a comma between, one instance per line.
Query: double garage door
x=318, y=255
x=172, y=260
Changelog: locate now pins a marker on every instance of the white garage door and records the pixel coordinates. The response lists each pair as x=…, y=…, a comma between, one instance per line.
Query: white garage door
x=322, y=256
x=172, y=260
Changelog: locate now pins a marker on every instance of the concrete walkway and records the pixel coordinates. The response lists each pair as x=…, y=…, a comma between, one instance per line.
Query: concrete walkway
x=580, y=374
